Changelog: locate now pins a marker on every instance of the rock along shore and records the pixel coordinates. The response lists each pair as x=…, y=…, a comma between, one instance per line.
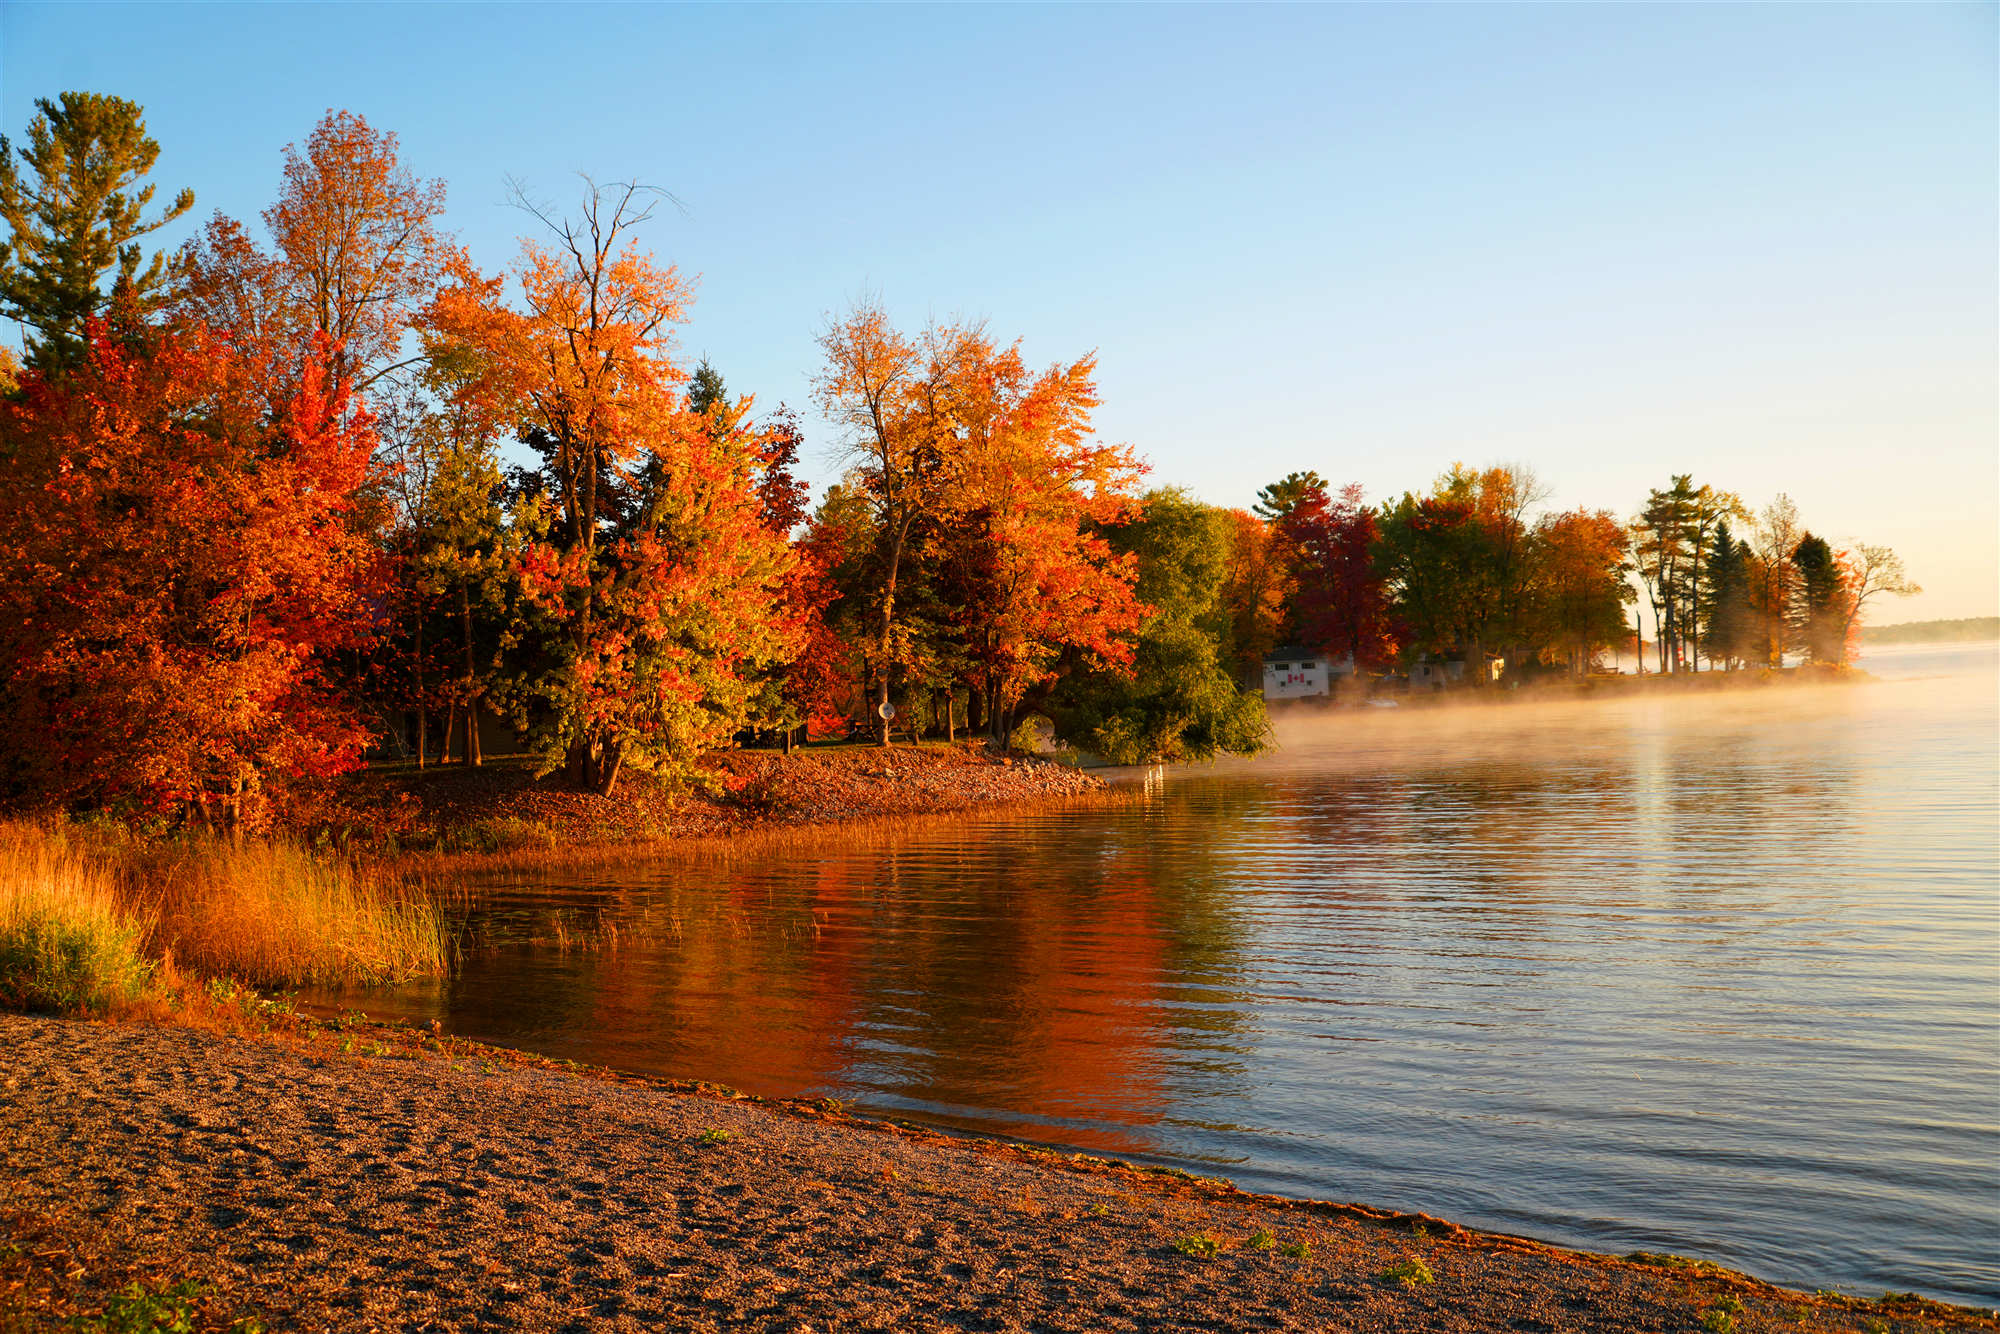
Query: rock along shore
x=356, y=1177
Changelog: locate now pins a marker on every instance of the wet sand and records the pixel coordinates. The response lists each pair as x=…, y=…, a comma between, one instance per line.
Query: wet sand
x=412, y=1183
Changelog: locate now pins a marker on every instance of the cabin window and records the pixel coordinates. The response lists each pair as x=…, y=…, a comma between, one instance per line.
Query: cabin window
x=1283, y=667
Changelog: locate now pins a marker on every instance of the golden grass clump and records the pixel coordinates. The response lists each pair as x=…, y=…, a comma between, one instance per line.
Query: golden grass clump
x=67, y=942
x=89, y=916
x=274, y=914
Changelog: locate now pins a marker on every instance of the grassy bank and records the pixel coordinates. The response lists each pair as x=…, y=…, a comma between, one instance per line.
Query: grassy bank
x=94, y=918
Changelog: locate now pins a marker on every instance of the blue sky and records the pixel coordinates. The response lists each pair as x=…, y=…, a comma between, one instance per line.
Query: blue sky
x=1755, y=244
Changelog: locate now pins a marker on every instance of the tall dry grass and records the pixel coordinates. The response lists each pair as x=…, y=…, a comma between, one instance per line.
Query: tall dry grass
x=67, y=941
x=86, y=912
x=273, y=914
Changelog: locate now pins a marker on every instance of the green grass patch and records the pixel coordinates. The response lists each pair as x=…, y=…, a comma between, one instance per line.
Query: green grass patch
x=1201, y=1245
x=67, y=943
x=1410, y=1272
x=1662, y=1261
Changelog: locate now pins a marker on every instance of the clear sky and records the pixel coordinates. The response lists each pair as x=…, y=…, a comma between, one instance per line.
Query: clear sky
x=1614, y=242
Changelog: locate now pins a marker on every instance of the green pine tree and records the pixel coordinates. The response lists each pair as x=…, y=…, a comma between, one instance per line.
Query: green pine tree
x=74, y=218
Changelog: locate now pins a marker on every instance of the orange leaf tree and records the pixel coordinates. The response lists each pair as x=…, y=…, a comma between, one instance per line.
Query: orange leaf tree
x=985, y=490
x=177, y=566
x=1035, y=489
x=653, y=575
x=356, y=255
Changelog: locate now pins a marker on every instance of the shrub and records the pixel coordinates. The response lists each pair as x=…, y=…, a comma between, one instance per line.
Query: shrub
x=1411, y=1273
x=66, y=944
x=1200, y=1245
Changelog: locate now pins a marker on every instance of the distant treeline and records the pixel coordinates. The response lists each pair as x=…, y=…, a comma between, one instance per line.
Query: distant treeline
x=280, y=498
x=1963, y=630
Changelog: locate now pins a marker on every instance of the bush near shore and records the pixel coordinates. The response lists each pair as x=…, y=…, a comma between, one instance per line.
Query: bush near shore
x=92, y=918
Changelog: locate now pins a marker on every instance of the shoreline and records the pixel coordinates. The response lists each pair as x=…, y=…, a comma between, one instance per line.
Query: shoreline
x=332, y=1173
x=449, y=818
x=454, y=818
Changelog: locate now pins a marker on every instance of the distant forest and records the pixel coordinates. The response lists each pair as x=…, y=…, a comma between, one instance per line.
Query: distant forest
x=1933, y=632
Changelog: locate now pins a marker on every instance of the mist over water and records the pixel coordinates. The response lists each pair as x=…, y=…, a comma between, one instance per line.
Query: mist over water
x=1714, y=974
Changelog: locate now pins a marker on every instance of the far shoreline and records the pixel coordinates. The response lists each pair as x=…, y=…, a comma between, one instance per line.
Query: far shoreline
x=447, y=818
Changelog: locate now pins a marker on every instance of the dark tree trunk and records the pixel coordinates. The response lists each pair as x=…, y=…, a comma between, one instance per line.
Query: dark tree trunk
x=423, y=719
x=472, y=756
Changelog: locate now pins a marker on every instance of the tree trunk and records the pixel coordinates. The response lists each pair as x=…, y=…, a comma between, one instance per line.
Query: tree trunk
x=423, y=719
x=472, y=755
x=612, y=760
x=450, y=733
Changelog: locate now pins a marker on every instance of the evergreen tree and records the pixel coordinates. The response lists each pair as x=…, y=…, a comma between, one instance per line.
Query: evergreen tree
x=1281, y=497
x=74, y=217
x=1729, y=630
x=1820, y=615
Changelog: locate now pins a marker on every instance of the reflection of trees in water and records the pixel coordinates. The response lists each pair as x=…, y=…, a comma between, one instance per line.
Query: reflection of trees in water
x=1037, y=964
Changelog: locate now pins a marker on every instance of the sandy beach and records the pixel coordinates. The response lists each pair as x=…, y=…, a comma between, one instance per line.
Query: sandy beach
x=364, y=1178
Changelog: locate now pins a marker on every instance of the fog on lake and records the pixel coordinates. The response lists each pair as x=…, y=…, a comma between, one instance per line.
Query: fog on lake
x=1711, y=974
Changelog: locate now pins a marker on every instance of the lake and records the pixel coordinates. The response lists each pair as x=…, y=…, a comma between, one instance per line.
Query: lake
x=1717, y=975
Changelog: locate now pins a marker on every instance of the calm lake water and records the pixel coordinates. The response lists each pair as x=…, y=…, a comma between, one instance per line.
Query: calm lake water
x=1718, y=976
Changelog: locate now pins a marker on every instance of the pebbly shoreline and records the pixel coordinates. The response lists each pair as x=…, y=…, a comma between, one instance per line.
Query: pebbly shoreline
x=361, y=1177
x=501, y=810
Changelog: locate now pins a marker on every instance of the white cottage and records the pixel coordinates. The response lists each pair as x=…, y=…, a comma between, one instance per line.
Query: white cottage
x=1301, y=673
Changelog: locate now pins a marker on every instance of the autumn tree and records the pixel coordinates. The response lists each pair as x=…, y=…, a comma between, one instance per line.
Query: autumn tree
x=177, y=567
x=1774, y=581
x=891, y=398
x=356, y=253
x=808, y=683
x=1255, y=593
x=1580, y=590
x=1501, y=499
x=75, y=212
x=1180, y=701
x=656, y=579
x=457, y=548
x=1339, y=602
x=1872, y=572
x=1031, y=487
